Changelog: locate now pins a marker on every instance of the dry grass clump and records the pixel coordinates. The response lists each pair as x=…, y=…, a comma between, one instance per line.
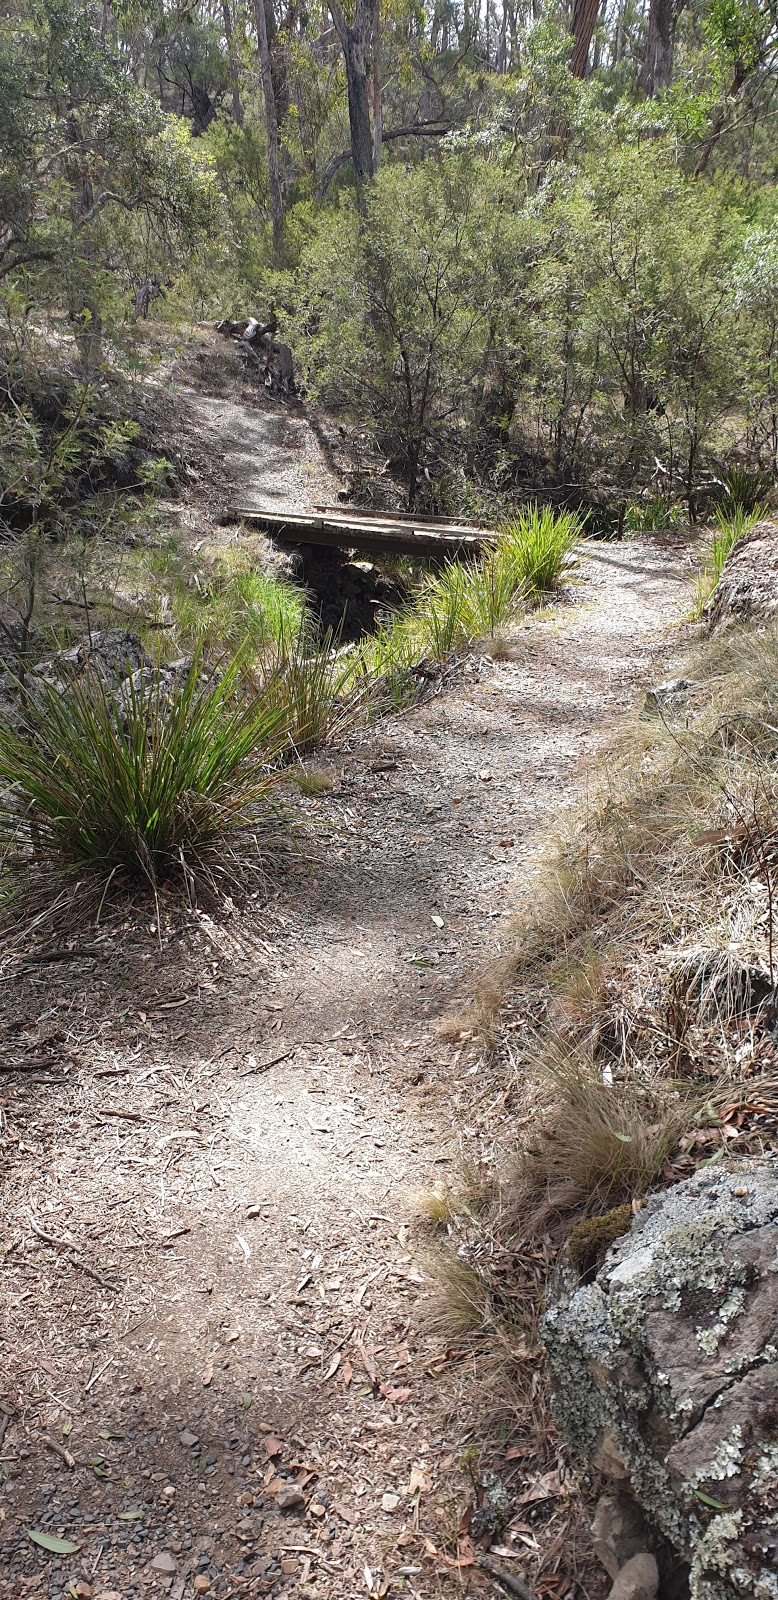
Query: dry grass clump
x=603, y=1143
x=642, y=985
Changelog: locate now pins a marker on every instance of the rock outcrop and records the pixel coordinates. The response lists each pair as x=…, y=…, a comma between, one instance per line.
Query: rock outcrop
x=666, y=1374
x=747, y=590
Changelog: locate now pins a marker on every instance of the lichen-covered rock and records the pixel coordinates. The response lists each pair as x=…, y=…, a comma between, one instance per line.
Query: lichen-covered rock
x=748, y=587
x=666, y=1374
x=113, y=652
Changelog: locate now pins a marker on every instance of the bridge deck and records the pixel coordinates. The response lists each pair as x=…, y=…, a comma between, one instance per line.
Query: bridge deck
x=379, y=533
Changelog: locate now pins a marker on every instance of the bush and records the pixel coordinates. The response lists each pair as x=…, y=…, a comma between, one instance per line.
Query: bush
x=138, y=784
x=744, y=488
x=538, y=544
x=653, y=516
x=317, y=689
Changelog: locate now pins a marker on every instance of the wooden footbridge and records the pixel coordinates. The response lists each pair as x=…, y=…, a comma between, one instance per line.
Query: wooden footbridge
x=377, y=533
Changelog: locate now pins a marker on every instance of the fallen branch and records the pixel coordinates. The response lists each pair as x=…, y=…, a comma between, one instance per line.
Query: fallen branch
x=515, y=1586
x=59, y=1450
x=262, y=1066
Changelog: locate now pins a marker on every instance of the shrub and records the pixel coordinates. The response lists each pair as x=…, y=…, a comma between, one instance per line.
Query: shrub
x=744, y=488
x=139, y=784
x=654, y=515
x=538, y=544
x=316, y=688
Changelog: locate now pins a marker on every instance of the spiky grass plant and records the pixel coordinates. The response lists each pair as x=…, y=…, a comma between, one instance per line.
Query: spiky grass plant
x=139, y=784
x=316, y=687
x=441, y=612
x=229, y=601
x=539, y=543
x=745, y=488
x=733, y=522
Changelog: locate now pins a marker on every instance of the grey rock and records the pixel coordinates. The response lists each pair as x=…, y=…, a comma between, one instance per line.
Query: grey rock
x=668, y=696
x=619, y=1531
x=289, y=1499
x=748, y=587
x=187, y=1439
x=113, y=652
x=666, y=1373
x=638, y=1579
x=164, y=1562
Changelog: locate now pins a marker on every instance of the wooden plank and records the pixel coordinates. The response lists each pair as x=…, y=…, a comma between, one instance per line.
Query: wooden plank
x=419, y=519
x=367, y=534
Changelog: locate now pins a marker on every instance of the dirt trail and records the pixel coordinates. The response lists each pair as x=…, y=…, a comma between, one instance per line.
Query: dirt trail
x=225, y=1139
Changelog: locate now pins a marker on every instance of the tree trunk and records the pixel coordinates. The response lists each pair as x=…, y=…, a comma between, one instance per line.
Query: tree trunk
x=355, y=41
x=585, y=13
x=271, y=125
x=656, y=72
x=237, y=106
x=378, y=105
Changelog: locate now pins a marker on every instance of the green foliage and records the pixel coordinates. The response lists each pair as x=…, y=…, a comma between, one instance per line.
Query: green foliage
x=653, y=516
x=538, y=543
x=230, y=601
x=732, y=523
x=140, y=784
x=316, y=687
x=744, y=488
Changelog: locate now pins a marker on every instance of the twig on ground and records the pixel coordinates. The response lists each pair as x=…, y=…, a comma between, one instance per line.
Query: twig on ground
x=99, y=1373
x=59, y=1450
x=72, y=1251
x=514, y=1585
x=262, y=1066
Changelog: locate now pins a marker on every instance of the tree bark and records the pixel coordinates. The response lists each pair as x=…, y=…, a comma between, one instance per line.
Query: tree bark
x=237, y=105
x=656, y=72
x=355, y=41
x=585, y=13
x=271, y=125
x=378, y=104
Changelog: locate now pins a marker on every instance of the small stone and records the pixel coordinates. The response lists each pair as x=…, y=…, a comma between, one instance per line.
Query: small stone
x=201, y=1584
x=188, y=1439
x=164, y=1562
x=390, y=1502
x=84, y=1591
x=169, y=1490
x=290, y=1498
x=289, y=1566
x=638, y=1580
x=317, y=1509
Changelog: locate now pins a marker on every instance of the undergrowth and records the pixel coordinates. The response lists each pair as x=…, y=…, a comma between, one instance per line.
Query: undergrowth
x=733, y=522
x=168, y=776
x=642, y=983
x=137, y=785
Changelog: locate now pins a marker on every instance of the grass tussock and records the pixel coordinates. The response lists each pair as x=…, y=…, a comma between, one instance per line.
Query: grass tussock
x=144, y=784
x=537, y=544
x=603, y=1143
x=733, y=522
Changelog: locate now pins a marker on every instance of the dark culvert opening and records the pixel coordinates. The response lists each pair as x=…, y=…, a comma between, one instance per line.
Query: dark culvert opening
x=350, y=594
